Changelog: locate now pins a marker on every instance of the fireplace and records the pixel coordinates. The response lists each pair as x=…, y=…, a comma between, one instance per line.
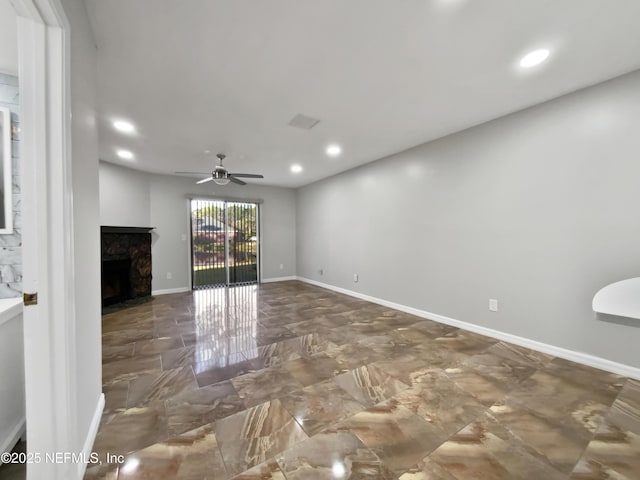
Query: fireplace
x=116, y=283
x=126, y=264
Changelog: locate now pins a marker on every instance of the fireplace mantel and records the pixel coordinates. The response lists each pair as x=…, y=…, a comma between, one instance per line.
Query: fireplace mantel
x=111, y=229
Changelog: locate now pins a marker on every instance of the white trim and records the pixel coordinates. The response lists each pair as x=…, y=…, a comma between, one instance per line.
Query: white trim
x=47, y=249
x=167, y=291
x=91, y=435
x=578, y=357
x=10, y=308
x=278, y=279
x=14, y=437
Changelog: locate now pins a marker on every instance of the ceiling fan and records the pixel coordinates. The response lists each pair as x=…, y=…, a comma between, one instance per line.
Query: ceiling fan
x=221, y=175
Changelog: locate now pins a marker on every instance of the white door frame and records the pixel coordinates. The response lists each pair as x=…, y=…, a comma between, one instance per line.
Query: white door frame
x=47, y=237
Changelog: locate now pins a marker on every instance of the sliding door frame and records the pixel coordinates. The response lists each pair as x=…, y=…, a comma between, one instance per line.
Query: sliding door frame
x=215, y=198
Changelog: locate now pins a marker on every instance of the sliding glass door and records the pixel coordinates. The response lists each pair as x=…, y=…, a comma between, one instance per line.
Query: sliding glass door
x=224, y=243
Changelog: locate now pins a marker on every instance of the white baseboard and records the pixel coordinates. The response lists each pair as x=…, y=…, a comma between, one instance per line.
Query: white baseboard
x=578, y=357
x=167, y=291
x=16, y=432
x=278, y=279
x=91, y=436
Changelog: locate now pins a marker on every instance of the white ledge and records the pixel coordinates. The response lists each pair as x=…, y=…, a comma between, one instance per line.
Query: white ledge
x=621, y=299
x=9, y=308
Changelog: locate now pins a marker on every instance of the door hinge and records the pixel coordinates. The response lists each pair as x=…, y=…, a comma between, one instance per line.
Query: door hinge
x=30, y=299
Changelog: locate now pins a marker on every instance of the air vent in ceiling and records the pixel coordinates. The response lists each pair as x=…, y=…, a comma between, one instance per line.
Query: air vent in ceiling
x=304, y=122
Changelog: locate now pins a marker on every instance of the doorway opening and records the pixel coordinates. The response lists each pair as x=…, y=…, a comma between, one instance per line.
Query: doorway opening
x=224, y=243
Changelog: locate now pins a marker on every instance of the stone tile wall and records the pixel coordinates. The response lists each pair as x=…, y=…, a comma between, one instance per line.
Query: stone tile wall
x=11, y=244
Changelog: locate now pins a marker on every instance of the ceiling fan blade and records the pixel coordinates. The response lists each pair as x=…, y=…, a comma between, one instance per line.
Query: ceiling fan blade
x=237, y=180
x=246, y=175
x=192, y=173
x=204, y=180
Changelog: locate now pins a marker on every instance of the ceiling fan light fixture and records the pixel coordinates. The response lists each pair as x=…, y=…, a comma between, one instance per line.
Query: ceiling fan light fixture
x=220, y=175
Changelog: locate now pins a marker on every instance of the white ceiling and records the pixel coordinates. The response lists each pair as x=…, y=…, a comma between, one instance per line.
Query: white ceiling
x=8, y=39
x=381, y=75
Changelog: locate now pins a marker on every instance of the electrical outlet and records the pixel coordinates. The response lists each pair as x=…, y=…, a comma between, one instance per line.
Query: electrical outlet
x=184, y=237
x=282, y=266
x=355, y=277
x=169, y=276
x=493, y=305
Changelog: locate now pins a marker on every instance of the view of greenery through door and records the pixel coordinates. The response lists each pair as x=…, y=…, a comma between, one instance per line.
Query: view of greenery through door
x=224, y=243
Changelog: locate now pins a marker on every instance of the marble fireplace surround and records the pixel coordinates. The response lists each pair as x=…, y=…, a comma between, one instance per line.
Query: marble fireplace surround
x=125, y=248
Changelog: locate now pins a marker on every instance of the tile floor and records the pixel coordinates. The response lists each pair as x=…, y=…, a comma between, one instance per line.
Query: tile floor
x=290, y=381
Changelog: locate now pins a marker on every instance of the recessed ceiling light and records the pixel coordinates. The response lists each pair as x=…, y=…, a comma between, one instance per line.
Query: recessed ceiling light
x=296, y=168
x=125, y=154
x=124, y=126
x=534, y=58
x=334, y=150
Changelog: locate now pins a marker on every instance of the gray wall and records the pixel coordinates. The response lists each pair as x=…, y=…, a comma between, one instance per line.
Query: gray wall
x=124, y=198
x=11, y=244
x=162, y=199
x=538, y=209
x=86, y=213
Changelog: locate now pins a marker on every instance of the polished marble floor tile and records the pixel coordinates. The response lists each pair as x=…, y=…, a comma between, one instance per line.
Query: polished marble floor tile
x=439, y=401
x=519, y=354
x=104, y=471
x=485, y=449
x=555, y=444
x=427, y=469
x=210, y=372
x=314, y=369
x=486, y=390
x=433, y=329
x=353, y=355
x=263, y=385
x=369, y=384
x=130, y=368
x=395, y=434
x=318, y=406
x=191, y=456
x=160, y=386
x=289, y=381
x=117, y=352
x=268, y=470
x=606, y=383
x=131, y=430
x=201, y=406
x=614, y=451
x=202, y=354
x=116, y=395
x=330, y=455
x=500, y=370
x=408, y=369
x=253, y=436
x=465, y=342
x=157, y=345
x=573, y=405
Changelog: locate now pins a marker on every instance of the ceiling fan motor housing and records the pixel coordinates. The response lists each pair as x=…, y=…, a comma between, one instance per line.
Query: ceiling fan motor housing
x=220, y=173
